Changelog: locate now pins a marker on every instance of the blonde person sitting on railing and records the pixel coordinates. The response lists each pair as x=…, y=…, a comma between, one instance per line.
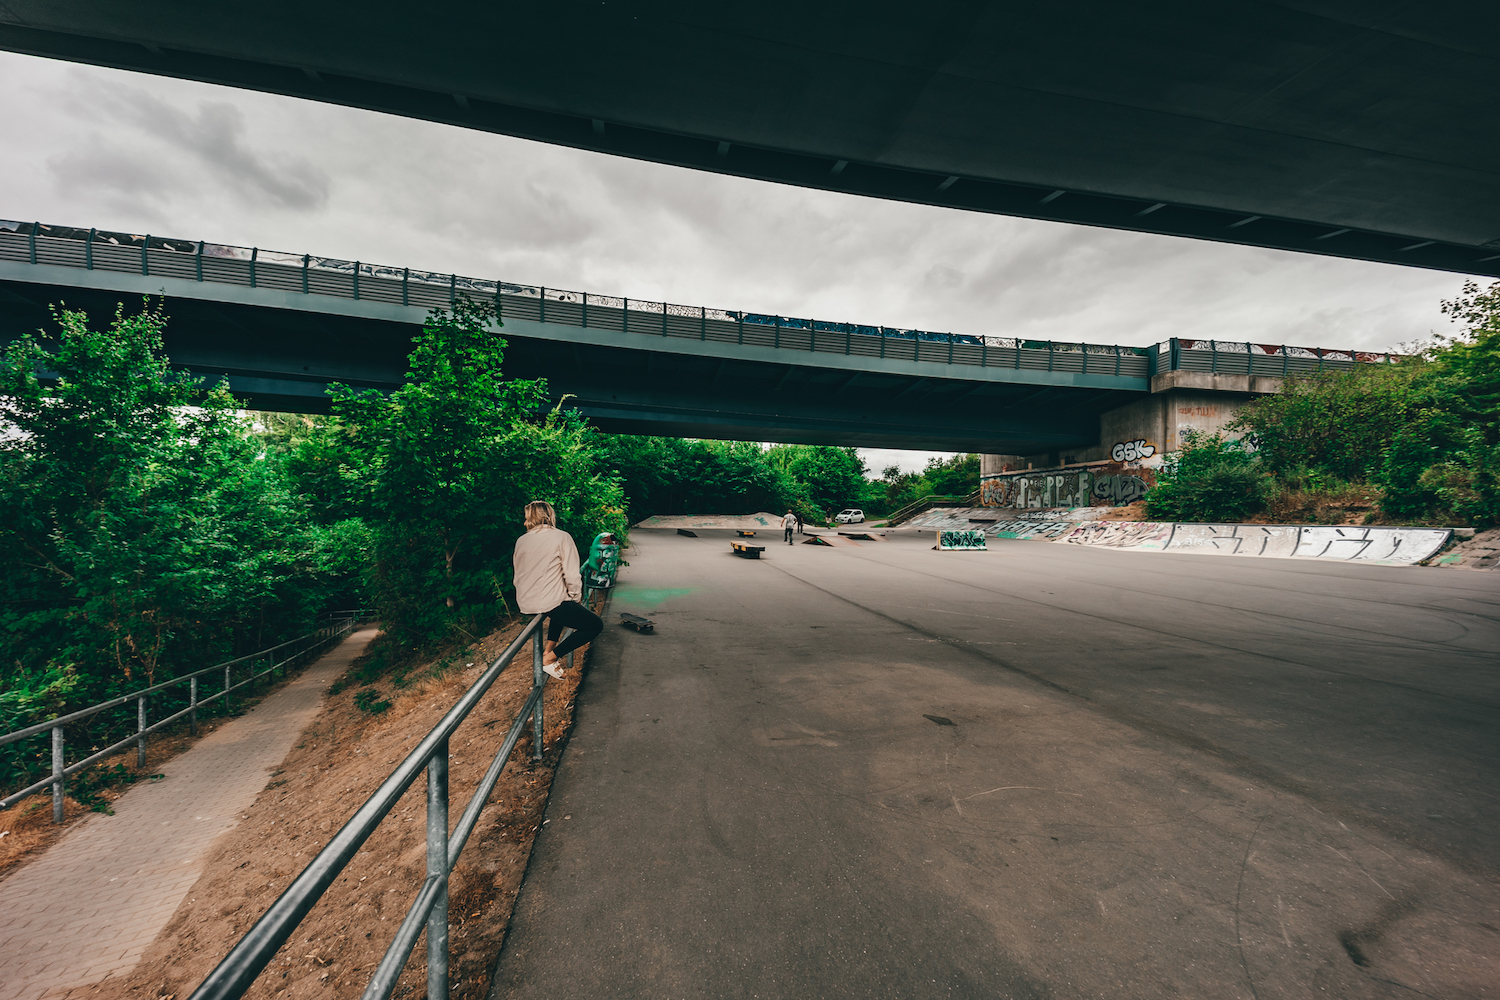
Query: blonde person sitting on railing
x=548, y=582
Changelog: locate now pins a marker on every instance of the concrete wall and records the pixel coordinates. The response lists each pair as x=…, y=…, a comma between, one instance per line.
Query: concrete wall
x=1132, y=440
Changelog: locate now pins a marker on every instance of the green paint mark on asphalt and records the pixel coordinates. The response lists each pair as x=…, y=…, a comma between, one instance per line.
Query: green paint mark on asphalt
x=649, y=596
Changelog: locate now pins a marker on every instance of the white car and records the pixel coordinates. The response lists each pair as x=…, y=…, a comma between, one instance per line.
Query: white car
x=852, y=515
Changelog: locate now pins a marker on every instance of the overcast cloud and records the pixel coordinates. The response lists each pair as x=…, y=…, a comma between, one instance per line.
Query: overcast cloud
x=93, y=147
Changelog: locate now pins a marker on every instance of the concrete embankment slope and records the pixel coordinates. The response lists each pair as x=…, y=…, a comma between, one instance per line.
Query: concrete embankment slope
x=1082, y=526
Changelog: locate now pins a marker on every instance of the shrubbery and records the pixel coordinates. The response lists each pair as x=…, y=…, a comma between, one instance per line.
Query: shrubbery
x=1213, y=478
x=1419, y=439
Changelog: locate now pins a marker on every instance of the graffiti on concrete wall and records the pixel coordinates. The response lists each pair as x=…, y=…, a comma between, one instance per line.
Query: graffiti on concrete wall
x=1067, y=488
x=962, y=540
x=1132, y=451
x=1034, y=490
x=1119, y=488
x=1344, y=544
x=1236, y=539
x=1403, y=545
x=1026, y=528
x=1121, y=534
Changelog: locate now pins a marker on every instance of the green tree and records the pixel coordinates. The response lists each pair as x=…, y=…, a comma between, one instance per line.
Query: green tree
x=443, y=468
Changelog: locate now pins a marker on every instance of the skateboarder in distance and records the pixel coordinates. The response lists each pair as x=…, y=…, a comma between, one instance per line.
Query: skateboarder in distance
x=548, y=582
x=788, y=525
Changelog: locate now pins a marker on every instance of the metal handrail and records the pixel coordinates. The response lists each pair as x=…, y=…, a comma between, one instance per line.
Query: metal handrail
x=57, y=780
x=429, y=910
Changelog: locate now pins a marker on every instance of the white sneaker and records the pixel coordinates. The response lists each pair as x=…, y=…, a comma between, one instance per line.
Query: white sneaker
x=553, y=669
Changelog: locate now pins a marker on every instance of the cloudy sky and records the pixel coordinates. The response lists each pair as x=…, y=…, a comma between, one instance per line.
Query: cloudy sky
x=93, y=147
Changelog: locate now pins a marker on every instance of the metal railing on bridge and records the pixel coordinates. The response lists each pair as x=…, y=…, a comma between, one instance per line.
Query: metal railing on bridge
x=259, y=664
x=253, y=267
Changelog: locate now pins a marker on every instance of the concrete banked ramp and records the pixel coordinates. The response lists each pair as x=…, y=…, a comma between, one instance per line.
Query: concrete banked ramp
x=1082, y=526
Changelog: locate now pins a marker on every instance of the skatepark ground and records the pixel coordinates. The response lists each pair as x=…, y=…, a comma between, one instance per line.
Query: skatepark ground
x=879, y=770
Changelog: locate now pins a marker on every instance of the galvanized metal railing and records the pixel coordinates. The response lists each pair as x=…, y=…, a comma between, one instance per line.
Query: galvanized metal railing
x=429, y=909
x=253, y=267
x=1240, y=357
x=289, y=652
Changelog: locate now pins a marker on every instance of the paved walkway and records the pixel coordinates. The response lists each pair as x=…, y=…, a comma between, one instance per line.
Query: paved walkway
x=88, y=907
x=1039, y=771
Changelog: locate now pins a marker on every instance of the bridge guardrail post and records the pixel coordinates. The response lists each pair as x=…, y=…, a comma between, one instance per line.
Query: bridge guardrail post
x=88, y=251
x=31, y=242
x=254, y=253
x=145, y=264
x=437, y=867
x=198, y=265
x=537, y=679
x=140, y=727
x=58, y=789
x=193, y=705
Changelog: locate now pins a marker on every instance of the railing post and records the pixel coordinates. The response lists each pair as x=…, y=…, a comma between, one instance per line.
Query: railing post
x=777, y=341
x=306, y=260
x=541, y=304
x=452, y=289
x=199, y=263
x=406, y=277
x=663, y=317
x=1213, y=357
x=32, y=242
x=741, y=340
x=950, y=350
x=356, y=281
x=226, y=689
x=702, y=322
x=254, y=255
x=437, y=865
x=140, y=727
x=848, y=340
x=193, y=706
x=1283, y=361
x=88, y=251
x=1085, y=347
x=1051, y=353
x=1249, y=360
x=537, y=680
x=145, y=265
x=625, y=315
x=585, y=310
x=58, y=789
x=1117, y=359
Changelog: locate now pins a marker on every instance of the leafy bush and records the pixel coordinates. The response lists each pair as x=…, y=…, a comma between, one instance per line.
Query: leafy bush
x=1213, y=478
x=441, y=470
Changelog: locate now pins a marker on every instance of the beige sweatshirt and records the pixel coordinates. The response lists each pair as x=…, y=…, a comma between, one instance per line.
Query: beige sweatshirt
x=546, y=570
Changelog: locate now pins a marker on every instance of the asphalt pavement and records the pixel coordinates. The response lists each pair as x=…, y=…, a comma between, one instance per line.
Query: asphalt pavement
x=879, y=770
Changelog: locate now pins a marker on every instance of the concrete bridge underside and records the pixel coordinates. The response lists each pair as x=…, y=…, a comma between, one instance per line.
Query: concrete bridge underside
x=1354, y=130
x=280, y=351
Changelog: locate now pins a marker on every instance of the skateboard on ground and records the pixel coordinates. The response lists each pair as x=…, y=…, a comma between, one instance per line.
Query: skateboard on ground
x=637, y=622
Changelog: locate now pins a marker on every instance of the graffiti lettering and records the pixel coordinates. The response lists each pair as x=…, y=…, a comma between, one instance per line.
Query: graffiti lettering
x=1121, y=534
x=961, y=540
x=1132, y=451
x=1119, y=489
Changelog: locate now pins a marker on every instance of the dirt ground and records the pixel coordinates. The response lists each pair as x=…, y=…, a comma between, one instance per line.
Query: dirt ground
x=343, y=757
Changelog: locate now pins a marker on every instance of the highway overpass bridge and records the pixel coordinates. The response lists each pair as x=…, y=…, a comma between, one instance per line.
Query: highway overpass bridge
x=282, y=326
x=1361, y=130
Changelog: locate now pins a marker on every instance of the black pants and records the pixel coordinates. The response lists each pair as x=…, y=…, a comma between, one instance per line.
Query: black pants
x=570, y=614
x=788, y=533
